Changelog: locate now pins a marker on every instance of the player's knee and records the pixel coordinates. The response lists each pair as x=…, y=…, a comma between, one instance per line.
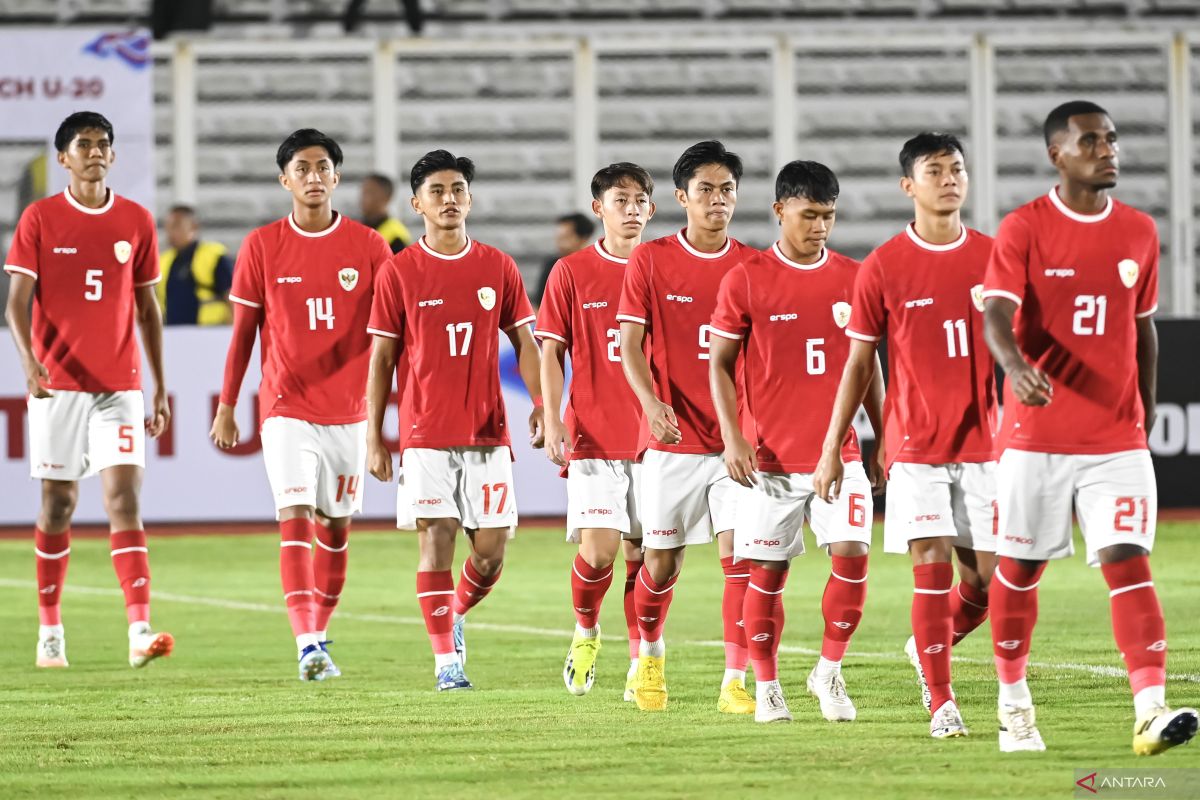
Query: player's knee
x=849, y=549
x=122, y=503
x=489, y=565
x=58, y=506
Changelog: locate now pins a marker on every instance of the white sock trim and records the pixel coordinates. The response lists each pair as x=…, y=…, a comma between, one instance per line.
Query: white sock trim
x=931, y=591
x=52, y=556
x=863, y=579
x=324, y=546
x=761, y=590
x=1000, y=577
x=642, y=578
x=296, y=544
x=587, y=580
x=1134, y=587
x=122, y=550
x=965, y=600
x=431, y=594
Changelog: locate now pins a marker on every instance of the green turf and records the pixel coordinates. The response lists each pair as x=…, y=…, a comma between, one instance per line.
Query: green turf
x=226, y=717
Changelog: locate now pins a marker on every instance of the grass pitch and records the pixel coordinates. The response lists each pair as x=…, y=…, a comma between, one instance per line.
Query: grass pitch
x=226, y=717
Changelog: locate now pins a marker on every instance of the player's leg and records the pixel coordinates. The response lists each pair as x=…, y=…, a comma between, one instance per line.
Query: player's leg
x=722, y=508
x=976, y=518
x=330, y=558
x=631, y=550
x=591, y=575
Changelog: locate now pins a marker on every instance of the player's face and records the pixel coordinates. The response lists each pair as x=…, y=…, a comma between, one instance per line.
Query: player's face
x=1087, y=151
x=89, y=155
x=181, y=229
x=938, y=183
x=444, y=199
x=311, y=177
x=805, y=224
x=373, y=200
x=710, y=197
x=624, y=210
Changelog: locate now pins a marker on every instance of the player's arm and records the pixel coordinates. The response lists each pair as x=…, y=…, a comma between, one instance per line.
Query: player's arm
x=529, y=364
x=1147, y=361
x=873, y=405
x=20, y=293
x=852, y=391
x=740, y=460
x=385, y=350
x=246, y=320
x=149, y=319
x=553, y=377
x=1030, y=385
x=661, y=417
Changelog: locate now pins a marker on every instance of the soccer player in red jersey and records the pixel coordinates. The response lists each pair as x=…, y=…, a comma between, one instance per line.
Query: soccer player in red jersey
x=600, y=439
x=1070, y=293
x=441, y=302
x=306, y=282
x=922, y=290
x=794, y=298
x=88, y=259
x=669, y=295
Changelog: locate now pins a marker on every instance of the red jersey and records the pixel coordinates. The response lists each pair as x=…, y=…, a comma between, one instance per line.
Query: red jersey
x=927, y=299
x=315, y=291
x=447, y=311
x=1081, y=282
x=791, y=317
x=671, y=288
x=87, y=263
x=579, y=310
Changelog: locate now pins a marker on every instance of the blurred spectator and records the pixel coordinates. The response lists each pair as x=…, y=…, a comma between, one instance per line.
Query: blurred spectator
x=196, y=275
x=573, y=232
x=377, y=191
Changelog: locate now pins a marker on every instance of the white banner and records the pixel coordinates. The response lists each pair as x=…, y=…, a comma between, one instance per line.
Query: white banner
x=189, y=480
x=46, y=74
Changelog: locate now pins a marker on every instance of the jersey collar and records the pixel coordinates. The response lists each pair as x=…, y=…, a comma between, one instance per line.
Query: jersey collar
x=1075, y=215
x=607, y=256
x=337, y=220
x=112, y=196
x=936, y=248
x=820, y=262
x=443, y=256
x=700, y=253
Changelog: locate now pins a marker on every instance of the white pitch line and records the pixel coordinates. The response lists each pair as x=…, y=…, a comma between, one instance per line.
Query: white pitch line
x=240, y=605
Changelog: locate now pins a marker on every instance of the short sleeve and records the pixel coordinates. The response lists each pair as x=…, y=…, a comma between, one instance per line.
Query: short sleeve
x=515, y=309
x=22, y=256
x=387, y=306
x=379, y=252
x=731, y=319
x=554, y=315
x=247, y=286
x=868, y=320
x=636, y=298
x=145, y=265
x=1008, y=268
x=1147, y=292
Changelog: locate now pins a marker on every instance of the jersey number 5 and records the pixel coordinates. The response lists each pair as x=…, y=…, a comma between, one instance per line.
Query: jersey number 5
x=95, y=288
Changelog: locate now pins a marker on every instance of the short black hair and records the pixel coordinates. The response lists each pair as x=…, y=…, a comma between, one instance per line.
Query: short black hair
x=1060, y=118
x=701, y=153
x=584, y=226
x=926, y=144
x=307, y=137
x=436, y=161
x=807, y=179
x=383, y=181
x=182, y=208
x=619, y=173
x=81, y=121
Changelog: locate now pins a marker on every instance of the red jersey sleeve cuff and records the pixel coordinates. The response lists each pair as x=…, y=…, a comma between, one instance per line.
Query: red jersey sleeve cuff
x=630, y=318
x=725, y=334
x=862, y=337
x=388, y=334
x=1016, y=298
x=22, y=270
x=250, y=303
x=520, y=322
x=549, y=335
x=1148, y=312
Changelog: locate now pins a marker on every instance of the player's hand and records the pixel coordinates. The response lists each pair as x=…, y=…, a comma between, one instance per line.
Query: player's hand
x=556, y=446
x=160, y=415
x=224, y=433
x=827, y=479
x=663, y=424
x=35, y=374
x=379, y=460
x=1031, y=386
x=537, y=427
x=877, y=470
x=740, y=460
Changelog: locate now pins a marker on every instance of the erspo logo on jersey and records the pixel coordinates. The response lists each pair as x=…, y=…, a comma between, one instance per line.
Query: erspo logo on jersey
x=597, y=304
x=680, y=298
x=921, y=303
x=430, y=303
x=784, y=317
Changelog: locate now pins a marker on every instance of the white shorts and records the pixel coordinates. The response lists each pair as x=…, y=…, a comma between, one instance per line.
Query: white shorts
x=315, y=465
x=73, y=435
x=1114, y=496
x=471, y=484
x=770, y=516
x=685, y=498
x=602, y=493
x=930, y=500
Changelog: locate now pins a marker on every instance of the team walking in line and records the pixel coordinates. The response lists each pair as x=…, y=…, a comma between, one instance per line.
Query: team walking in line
x=712, y=396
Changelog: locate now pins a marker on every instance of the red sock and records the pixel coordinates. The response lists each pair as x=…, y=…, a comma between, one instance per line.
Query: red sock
x=1137, y=621
x=737, y=576
x=631, y=623
x=968, y=608
x=52, y=552
x=296, y=573
x=842, y=604
x=651, y=602
x=472, y=587
x=931, y=626
x=588, y=586
x=1013, y=605
x=131, y=560
x=434, y=592
x=764, y=620
x=329, y=570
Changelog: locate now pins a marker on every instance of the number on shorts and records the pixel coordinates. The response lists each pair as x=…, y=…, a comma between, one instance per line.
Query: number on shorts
x=1126, y=510
x=858, y=510
x=347, y=485
x=125, y=434
x=498, y=488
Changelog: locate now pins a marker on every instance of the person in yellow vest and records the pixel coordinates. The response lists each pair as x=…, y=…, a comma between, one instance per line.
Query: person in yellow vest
x=196, y=275
x=374, y=200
